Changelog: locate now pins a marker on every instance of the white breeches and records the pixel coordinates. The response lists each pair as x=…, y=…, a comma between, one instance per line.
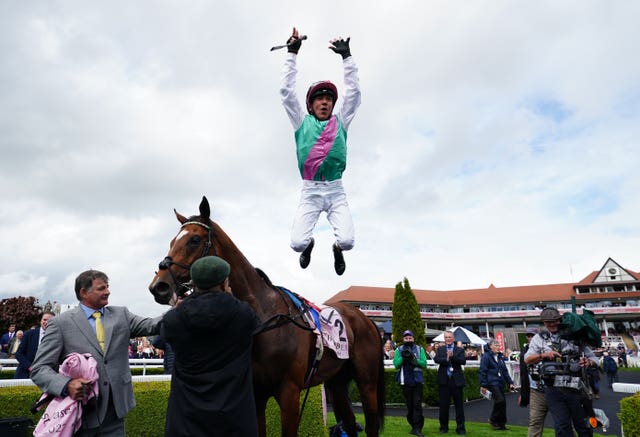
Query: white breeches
x=317, y=197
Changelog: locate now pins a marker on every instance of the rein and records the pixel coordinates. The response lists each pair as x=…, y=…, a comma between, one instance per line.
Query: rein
x=278, y=320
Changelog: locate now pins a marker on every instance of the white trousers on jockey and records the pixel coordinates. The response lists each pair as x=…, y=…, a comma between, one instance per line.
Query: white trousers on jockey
x=317, y=197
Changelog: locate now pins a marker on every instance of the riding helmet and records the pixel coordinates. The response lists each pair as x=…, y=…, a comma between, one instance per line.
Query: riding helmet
x=321, y=88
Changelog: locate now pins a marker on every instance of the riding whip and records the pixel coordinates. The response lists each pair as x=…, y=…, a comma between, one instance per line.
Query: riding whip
x=303, y=37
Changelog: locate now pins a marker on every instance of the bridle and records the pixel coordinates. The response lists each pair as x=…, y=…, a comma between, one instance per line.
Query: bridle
x=183, y=288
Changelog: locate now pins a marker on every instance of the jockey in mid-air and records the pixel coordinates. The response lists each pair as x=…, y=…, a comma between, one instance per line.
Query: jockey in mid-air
x=321, y=146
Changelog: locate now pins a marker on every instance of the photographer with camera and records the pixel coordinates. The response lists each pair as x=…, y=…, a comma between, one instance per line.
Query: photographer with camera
x=561, y=363
x=411, y=359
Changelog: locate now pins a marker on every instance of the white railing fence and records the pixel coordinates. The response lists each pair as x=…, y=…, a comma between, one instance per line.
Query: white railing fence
x=134, y=363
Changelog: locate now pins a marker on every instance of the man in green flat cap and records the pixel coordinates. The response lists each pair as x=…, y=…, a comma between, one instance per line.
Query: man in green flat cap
x=211, y=333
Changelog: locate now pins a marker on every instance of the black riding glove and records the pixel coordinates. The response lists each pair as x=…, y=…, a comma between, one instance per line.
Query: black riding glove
x=341, y=47
x=294, y=45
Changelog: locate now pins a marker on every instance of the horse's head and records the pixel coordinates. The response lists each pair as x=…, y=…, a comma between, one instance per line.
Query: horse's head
x=194, y=240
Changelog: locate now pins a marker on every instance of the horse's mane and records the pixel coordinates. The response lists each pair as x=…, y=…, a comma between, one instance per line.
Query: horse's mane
x=264, y=277
x=262, y=274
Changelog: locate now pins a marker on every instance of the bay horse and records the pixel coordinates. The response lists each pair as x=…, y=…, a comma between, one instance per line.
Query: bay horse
x=281, y=356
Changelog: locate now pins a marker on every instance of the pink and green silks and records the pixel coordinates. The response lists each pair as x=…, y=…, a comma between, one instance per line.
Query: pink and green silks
x=321, y=148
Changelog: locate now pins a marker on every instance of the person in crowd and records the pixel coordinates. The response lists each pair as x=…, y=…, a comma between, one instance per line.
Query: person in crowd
x=148, y=350
x=103, y=331
x=471, y=353
x=622, y=355
x=7, y=336
x=450, y=380
x=610, y=369
x=134, y=342
x=388, y=350
x=211, y=333
x=26, y=352
x=430, y=351
x=411, y=359
x=531, y=394
x=56, y=308
x=564, y=402
x=321, y=146
x=140, y=352
x=507, y=354
x=493, y=377
x=14, y=343
x=47, y=307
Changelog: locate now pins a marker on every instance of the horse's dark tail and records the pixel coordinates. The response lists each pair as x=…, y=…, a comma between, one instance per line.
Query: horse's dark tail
x=381, y=391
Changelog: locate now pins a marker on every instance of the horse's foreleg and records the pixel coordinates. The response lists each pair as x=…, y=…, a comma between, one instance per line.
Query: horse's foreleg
x=289, y=401
x=261, y=407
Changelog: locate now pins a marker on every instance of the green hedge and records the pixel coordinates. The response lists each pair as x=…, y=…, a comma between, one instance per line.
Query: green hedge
x=430, y=389
x=7, y=373
x=147, y=419
x=630, y=415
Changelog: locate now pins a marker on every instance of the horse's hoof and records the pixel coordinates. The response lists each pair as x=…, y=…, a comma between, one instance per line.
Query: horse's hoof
x=305, y=256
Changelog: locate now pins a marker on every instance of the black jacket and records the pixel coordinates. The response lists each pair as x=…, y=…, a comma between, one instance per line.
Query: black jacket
x=26, y=353
x=458, y=359
x=211, y=335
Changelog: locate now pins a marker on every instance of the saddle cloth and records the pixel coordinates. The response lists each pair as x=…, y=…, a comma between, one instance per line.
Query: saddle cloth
x=329, y=327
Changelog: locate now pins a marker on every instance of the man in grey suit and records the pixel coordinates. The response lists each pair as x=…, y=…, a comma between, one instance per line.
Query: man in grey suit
x=75, y=331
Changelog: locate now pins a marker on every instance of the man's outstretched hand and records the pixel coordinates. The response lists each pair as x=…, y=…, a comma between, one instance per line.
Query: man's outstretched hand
x=341, y=47
x=294, y=42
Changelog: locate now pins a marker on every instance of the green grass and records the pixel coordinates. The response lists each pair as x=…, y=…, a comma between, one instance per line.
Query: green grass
x=397, y=426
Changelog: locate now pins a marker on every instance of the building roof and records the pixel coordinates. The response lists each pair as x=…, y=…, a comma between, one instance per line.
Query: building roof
x=533, y=294
x=480, y=296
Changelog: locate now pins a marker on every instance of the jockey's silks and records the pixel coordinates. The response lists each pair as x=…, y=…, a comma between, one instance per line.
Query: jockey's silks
x=321, y=147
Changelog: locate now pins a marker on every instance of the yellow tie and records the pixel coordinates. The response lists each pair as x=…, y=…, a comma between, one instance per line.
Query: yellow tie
x=99, y=328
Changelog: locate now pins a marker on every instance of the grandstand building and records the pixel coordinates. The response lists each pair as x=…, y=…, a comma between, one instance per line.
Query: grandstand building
x=611, y=293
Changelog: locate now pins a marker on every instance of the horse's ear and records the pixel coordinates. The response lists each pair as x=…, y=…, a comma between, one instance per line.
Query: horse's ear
x=205, y=210
x=182, y=219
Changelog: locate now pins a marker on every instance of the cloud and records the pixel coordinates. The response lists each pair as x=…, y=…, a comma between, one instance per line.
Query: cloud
x=495, y=142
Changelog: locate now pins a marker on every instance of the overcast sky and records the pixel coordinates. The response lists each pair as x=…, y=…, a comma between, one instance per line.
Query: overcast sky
x=496, y=141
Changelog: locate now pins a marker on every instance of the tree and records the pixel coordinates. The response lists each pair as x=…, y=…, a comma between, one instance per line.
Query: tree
x=406, y=314
x=23, y=311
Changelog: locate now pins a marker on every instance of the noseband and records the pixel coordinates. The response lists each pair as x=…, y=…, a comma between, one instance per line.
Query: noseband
x=183, y=288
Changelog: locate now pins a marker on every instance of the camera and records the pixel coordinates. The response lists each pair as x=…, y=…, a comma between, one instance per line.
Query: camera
x=406, y=353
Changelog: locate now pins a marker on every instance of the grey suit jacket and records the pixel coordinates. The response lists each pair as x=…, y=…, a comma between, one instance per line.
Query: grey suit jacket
x=71, y=332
